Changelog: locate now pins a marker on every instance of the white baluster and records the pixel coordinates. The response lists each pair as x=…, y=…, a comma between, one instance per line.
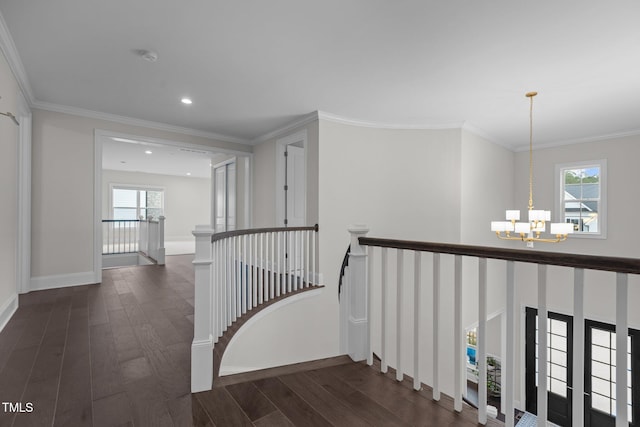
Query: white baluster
x=457, y=335
x=622, y=332
x=509, y=365
x=278, y=262
x=314, y=251
x=246, y=290
x=578, y=348
x=482, y=341
x=272, y=266
x=370, y=263
x=307, y=264
x=542, y=345
x=417, y=274
x=383, y=311
x=399, y=286
x=260, y=267
x=288, y=260
x=435, y=322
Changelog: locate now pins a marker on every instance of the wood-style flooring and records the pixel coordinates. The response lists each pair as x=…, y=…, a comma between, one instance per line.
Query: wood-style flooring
x=113, y=354
x=342, y=393
x=118, y=354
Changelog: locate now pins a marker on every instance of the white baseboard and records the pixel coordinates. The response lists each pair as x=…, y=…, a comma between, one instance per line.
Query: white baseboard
x=62, y=281
x=7, y=309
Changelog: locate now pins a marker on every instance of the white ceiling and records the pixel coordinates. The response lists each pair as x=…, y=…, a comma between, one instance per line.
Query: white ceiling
x=128, y=155
x=253, y=66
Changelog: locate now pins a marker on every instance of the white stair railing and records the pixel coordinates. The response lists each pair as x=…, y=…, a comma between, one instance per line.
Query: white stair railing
x=369, y=273
x=151, y=238
x=120, y=236
x=239, y=270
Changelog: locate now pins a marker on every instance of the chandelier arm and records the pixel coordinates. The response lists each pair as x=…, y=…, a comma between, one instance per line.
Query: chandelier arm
x=524, y=238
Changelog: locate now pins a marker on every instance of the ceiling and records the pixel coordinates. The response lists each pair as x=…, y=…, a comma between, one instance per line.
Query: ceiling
x=252, y=67
x=128, y=155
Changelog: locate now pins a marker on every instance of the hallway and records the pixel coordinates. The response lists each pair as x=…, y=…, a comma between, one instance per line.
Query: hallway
x=118, y=354
x=103, y=355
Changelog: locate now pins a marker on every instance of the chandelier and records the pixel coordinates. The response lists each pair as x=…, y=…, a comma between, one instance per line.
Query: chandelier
x=531, y=231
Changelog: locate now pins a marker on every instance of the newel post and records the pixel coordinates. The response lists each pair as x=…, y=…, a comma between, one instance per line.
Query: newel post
x=161, y=250
x=358, y=331
x=202, y=345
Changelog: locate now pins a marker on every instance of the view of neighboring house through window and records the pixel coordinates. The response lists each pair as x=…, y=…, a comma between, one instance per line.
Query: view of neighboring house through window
x=581, y=196
x=132, y=202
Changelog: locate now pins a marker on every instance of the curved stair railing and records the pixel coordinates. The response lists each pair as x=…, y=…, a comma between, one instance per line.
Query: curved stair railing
x=400, y=329
x=237, y=273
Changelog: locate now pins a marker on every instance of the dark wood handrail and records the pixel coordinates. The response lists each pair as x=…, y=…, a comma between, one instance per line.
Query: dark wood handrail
x=120, y=220
x=227, y=234
x=589, y=262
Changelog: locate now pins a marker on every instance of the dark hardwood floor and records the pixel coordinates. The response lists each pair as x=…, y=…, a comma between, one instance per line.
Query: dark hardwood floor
x=340, y=393
x=103, y=355
x=118, y=354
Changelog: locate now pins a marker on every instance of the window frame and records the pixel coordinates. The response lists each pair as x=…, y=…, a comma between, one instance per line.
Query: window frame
x=138, y=188
x=602, y=208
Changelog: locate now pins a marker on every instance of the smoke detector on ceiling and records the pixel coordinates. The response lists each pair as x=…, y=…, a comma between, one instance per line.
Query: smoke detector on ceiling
x=148, y=55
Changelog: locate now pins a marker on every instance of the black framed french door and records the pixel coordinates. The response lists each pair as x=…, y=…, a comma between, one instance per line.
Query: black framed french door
x=559, y=365
x=600, y=375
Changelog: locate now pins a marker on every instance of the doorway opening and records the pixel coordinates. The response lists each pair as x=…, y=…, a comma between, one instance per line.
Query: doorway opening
x=182, y=172
x=494, y=350
x=291, y=180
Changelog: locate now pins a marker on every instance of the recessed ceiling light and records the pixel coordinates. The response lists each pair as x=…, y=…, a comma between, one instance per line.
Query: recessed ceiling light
x=188, y=173
x=148, y=152
x=148, y=55
x=187, y=101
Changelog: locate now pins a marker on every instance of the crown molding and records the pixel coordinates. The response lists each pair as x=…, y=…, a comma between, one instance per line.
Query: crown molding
x=599, y=138
x=8, y=48
x=303, y=121
x=82, y=112
x=386, y=125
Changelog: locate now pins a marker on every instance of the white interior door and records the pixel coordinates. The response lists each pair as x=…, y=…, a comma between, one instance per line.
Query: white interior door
x=224, y=197
x=231, y=197
x=295, y=197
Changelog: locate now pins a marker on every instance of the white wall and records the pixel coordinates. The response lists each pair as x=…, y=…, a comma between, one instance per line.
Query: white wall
x=186, y=199
x=63, y=194
x=8, y=192
x=264, y=178
x=388, y=179
x=599, y=300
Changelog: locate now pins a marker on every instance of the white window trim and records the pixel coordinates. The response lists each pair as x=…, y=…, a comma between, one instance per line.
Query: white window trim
x=138, y=187
x=559, y=192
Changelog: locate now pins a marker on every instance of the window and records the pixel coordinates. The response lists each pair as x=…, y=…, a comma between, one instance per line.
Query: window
x=603, y=372
x=556, y=356
x=129, y=202
x=581, y=196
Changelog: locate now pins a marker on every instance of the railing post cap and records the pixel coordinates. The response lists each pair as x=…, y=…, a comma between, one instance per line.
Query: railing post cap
x=358, y=229
x=202, y=230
